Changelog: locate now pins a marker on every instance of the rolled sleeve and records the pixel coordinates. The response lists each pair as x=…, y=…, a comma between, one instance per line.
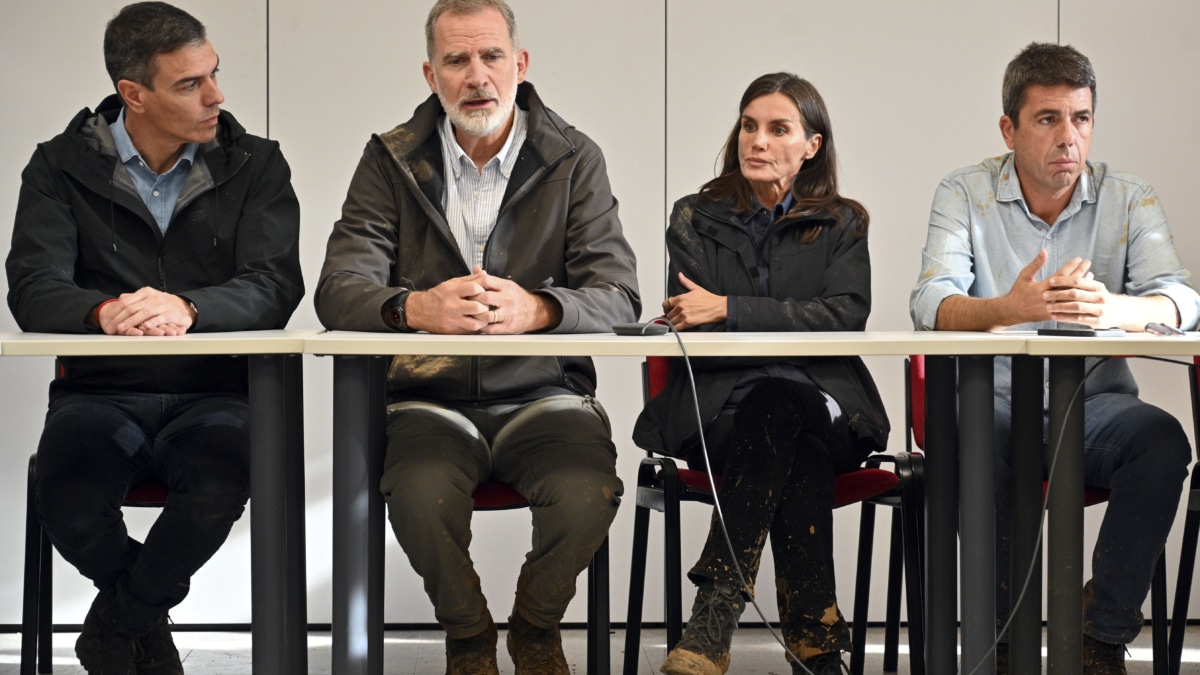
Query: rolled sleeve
x=947, y=261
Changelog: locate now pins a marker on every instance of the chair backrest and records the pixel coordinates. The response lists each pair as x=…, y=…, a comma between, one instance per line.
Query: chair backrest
x=654, y=375
x=1194, y=382
x=915, y=397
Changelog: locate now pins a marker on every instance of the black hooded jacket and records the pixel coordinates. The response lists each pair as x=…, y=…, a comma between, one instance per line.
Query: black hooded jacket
x=83, y=235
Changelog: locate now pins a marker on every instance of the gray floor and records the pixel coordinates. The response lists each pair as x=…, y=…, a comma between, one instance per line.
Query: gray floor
x=421, y=653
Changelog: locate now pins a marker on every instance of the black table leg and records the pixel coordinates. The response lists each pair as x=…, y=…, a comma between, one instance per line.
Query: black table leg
x=358, y=445
x=277, y=553
x=1025, y=632
x=941, y=516
x=977, y=487
x=1065, y=503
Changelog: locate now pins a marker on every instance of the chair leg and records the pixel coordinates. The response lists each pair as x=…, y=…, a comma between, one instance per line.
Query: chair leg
x=637, y=591
x=45, y=611
x=891, y=631
x=1183, y=585
x=862, y=589
x=673, y=565
x=912, y=512
x=33, y=567
x=1158, y=615
x=599, y=649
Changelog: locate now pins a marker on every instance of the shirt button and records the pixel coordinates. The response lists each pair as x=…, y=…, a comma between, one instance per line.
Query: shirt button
x=156, y=193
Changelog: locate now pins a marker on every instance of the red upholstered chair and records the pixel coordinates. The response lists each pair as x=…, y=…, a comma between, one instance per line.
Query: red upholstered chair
x=496, y=496
x=662, y=485
x=1168, y=647
x=37, y=620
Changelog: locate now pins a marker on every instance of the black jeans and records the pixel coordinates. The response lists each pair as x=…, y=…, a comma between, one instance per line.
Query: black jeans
x=1141, y=454
x=785, y=443
x=94, y=447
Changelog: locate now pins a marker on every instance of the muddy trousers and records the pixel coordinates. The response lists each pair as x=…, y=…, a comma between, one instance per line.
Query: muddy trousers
x=556, y=451
x=93, y=448
x=785, y=441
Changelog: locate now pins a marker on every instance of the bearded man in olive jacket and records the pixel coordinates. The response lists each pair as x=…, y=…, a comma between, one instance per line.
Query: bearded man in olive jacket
x=487, y=213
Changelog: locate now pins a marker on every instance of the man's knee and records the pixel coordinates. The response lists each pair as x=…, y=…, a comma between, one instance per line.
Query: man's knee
x=1153, y=433
x=424, y=482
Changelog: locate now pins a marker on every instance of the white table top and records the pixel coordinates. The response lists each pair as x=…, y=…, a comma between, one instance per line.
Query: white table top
x=698, y=344
x=1131, y=344
x=290, y=341
x=870, y=343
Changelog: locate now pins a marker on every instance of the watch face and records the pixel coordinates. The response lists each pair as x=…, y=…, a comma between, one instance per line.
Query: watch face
x=398, y=317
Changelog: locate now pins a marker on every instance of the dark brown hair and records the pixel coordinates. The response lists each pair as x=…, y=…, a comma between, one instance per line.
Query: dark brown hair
x=814, y=189
x=143, y=30
x=1049, y=65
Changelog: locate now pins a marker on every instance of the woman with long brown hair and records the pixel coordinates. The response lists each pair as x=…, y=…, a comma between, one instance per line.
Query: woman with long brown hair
x=770, y=245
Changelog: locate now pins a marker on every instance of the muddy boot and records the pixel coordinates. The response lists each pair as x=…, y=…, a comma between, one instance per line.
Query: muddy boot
x=704, y=647
x=475, y=655
x=535, y=651
x=829, y=663
x=1102, y=658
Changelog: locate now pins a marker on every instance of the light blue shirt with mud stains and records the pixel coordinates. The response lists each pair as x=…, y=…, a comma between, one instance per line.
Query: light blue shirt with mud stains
x=982, y=234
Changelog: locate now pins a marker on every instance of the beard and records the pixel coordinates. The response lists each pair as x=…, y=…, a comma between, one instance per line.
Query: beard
x=479, y=122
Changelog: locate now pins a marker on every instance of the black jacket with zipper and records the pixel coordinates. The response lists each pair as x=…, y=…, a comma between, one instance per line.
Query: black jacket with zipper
x=83, y=235
x=822, y=285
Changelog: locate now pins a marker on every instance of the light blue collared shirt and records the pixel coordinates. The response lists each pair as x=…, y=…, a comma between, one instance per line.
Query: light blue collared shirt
x=159, y=193
x=982, y=234
x=472, y=197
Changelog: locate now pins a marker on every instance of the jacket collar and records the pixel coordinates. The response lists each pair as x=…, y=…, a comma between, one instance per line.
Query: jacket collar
x=222, y=155
x=1008, y=186
x=415, y=147
x=719, y=215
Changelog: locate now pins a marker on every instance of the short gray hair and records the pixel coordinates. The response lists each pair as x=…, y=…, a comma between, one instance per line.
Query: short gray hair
x=1049, y=65
x=143, y=30
x=468, y=7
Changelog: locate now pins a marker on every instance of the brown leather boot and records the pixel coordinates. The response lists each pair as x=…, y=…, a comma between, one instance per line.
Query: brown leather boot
x=475, y=655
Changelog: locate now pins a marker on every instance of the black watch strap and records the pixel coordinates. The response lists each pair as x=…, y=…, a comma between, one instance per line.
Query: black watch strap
x=393, y=312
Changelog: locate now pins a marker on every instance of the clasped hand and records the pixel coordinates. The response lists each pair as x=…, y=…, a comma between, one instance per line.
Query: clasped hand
x=146, y=311
x=1072, y=294
x=476, y=303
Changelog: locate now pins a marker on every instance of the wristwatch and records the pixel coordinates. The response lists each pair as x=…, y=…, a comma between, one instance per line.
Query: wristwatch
x=393, y=312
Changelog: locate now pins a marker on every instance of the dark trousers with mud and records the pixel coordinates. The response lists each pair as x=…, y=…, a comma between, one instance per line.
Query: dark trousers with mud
x=780, y=450
x=556, y=451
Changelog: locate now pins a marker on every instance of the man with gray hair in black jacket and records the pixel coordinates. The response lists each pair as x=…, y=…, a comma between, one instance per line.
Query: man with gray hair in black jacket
x=487, y=213
x=156, y=215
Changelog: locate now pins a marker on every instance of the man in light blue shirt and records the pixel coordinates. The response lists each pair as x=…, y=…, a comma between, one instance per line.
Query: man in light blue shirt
x=1042, y=236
